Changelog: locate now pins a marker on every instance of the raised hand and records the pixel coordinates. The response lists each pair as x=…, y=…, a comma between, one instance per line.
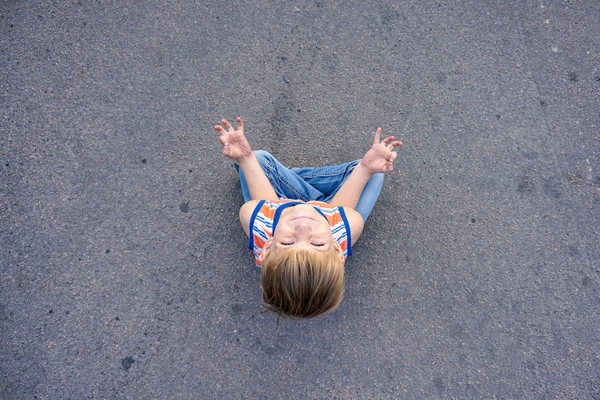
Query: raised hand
x=381, y=156
x=235, y=145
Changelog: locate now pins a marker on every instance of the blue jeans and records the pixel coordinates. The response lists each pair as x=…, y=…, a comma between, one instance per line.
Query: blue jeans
x=319, y=184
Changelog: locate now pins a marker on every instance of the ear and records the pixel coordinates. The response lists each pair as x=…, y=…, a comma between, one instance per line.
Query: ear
x=339, y=251
x=266, y=249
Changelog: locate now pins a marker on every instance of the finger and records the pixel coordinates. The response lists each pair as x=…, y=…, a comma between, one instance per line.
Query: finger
x=388, y=139
x=240, y=123
x=395, y=143
x=224, y=140
x=221, y=130
x=377, y=136
x=226, y=124
x=392, y=156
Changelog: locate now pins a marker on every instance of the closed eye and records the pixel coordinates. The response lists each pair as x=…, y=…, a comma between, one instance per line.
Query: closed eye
x=318, y=244
x=287, y=244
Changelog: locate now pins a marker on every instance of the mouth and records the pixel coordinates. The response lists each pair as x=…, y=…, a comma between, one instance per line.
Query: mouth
x=312, y=219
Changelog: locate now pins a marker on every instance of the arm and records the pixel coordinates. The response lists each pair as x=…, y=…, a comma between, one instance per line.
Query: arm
x=352, y=188
x=246, y=214
x=356, y=222
x=236, y=147
x=258, y=183
x=379, y=158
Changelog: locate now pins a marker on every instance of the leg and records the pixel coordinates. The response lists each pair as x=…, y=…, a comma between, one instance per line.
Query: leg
x=369, y=195
x=304, y=183
x=287, y=184
x=243, y=184
x=326, y=180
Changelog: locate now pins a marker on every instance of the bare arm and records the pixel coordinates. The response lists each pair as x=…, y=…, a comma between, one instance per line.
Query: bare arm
x=246, y=214
x=258, y=183
x=350, y=192
x=379, y=158
x=236, y=147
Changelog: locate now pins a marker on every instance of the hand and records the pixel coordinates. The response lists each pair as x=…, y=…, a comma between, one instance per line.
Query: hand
x=380, y=157
x=235, y=145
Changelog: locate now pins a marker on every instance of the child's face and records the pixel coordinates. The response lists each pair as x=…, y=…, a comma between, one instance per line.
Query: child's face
x=302, y=228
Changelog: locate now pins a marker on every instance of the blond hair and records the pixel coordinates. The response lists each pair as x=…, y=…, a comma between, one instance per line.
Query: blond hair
x=302, y=284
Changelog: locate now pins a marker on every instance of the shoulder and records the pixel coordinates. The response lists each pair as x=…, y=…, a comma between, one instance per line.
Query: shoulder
x=246, y=212
x=249, y=206
x=265, y=208
x=355, y=221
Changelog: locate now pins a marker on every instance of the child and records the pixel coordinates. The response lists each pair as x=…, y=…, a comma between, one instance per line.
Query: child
x=302, y=222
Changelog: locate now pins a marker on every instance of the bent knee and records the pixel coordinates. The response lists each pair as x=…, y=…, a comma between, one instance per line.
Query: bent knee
x=377, y=178
x=264, y=157
x=262, y=153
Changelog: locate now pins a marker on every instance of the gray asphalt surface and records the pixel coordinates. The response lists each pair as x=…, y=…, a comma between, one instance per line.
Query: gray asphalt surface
x=124, y=272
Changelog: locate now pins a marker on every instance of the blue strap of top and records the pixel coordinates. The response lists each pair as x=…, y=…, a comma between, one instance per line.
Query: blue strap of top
x=251, y=226
x=320, y=212
x=280, y=210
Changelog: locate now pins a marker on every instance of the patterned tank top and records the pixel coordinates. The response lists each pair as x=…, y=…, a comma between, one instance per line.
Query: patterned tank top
x=266, y=216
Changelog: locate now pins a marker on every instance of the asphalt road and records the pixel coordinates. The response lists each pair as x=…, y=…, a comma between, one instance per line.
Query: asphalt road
x=124, y=273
